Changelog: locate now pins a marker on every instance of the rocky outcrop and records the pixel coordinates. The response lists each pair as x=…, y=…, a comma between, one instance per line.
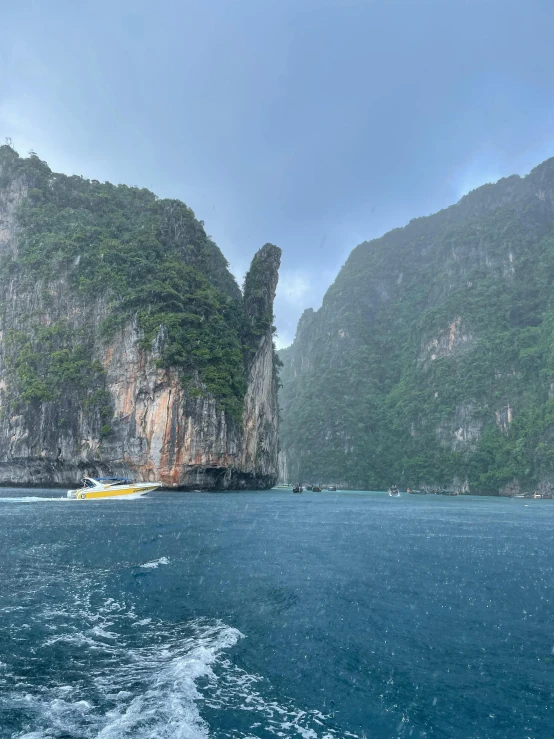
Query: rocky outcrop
x=123, y=410
x=260, y=443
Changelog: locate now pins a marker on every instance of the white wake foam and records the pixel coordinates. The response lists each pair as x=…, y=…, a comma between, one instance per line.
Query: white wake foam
x=149, y=689
x=118, y=675
x=30, y=499
x=155, y=563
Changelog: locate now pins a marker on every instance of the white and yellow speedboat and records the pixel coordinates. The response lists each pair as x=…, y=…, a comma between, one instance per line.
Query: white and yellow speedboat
x=111, y=487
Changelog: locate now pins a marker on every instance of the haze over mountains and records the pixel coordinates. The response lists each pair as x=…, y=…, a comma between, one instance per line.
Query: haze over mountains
x=431, y=360
x=313, y=125
x=128, y=346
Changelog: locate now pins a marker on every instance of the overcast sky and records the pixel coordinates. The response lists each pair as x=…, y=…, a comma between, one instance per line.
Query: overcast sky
x=312, y=124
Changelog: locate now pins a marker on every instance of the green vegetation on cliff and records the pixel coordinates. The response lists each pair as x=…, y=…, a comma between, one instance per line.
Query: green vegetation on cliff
x=52, y=362
x=432, y=357
x=150, y=258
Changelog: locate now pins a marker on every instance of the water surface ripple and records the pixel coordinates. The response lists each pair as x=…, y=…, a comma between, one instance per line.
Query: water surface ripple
x=261, y=615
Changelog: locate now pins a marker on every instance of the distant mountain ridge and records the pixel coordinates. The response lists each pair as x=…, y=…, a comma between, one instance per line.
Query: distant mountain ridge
x=431, y=360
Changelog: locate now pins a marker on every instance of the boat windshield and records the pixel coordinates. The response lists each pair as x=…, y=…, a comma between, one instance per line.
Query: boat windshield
x=114, y=480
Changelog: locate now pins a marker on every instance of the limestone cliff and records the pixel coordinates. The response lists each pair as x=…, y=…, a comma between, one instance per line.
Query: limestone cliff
x=430, y=361
x=126, y=346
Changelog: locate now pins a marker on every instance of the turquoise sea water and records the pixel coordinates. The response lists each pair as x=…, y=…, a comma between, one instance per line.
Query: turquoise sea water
x=271, y=614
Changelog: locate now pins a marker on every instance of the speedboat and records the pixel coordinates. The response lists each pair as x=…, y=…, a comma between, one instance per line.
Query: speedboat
x=394, y=492
x=111, y=487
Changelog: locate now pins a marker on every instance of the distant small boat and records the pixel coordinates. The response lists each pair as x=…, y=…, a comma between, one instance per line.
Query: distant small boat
x=316, y=488
x=416, y=492
x=308, y=487
x=394, y=492
x=332, y=488
x=297, y=489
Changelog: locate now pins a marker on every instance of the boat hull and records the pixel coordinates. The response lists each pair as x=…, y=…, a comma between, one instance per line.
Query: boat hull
x=129, y=492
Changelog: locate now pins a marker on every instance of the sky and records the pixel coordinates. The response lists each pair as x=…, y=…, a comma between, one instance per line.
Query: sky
x=311, y=124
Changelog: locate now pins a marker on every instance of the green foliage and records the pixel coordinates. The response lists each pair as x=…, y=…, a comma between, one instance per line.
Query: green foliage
x=430, y=332
x=150, y=258
x=53, y=362
x=258, y=303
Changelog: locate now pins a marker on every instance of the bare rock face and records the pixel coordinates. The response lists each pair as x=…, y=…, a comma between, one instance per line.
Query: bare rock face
x=127, y=413
x=260, y=438
x=161, y=434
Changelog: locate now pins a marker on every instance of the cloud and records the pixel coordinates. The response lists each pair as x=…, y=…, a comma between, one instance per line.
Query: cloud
x=481, y=168
x=22, y=126
x=295, y=292
x=20, y=121
x=294, y=285
x=283, y=339
x=237, y=267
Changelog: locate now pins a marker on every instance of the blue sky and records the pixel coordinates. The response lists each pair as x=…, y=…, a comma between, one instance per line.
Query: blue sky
x=313, y=124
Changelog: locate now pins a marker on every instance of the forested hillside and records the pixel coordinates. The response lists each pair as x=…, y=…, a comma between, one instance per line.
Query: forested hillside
x=431, y=360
